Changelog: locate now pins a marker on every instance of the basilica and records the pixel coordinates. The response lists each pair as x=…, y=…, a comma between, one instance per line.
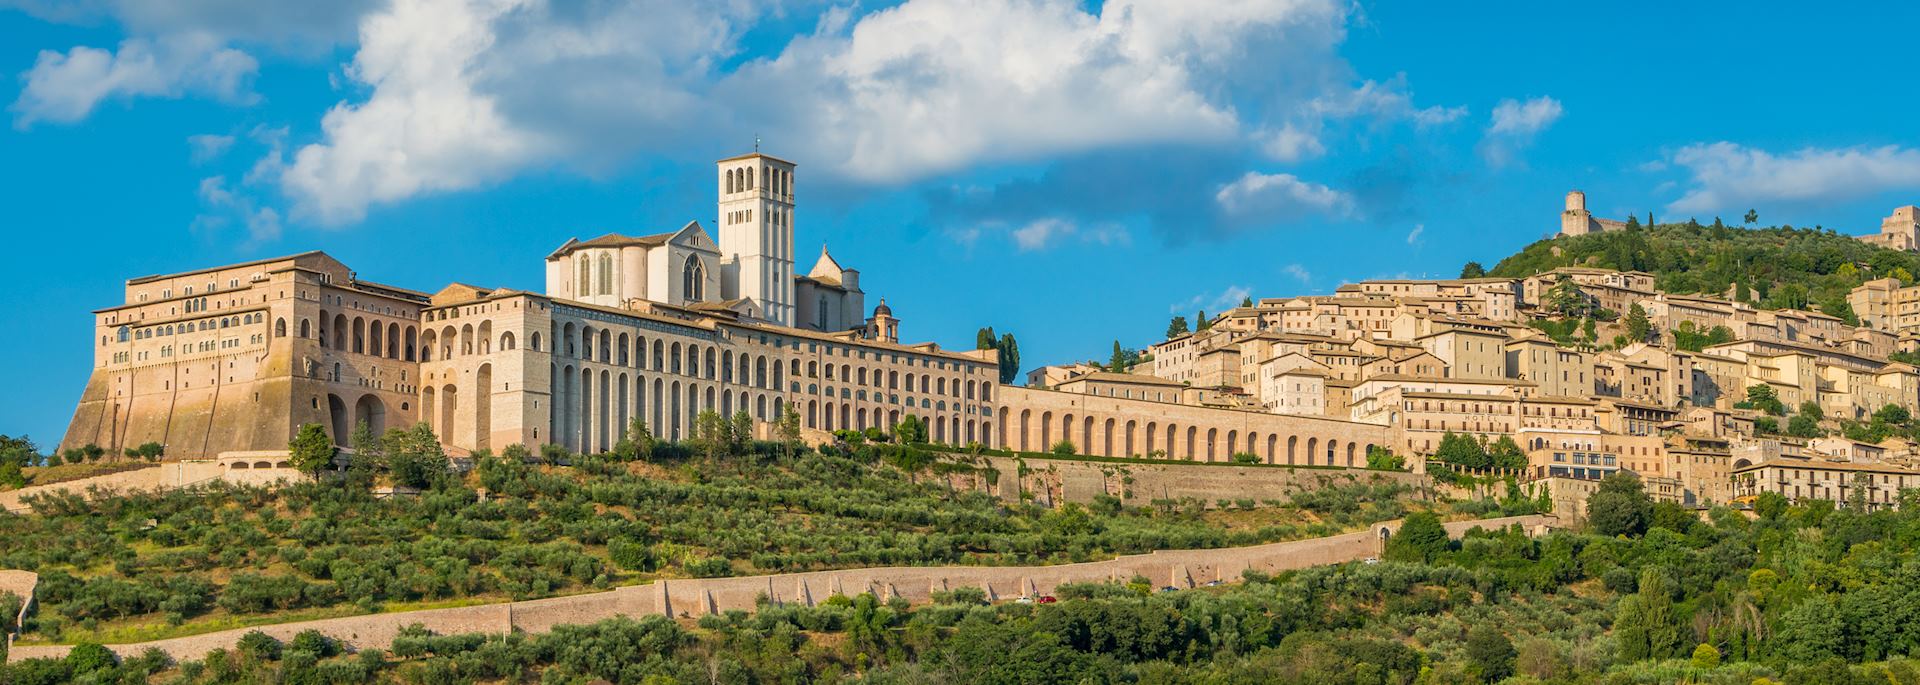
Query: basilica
x=657, y=327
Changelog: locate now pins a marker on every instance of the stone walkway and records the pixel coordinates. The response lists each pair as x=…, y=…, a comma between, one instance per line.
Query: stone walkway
x=699, y=597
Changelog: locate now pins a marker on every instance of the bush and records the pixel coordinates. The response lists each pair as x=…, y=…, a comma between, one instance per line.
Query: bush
x=1064, y=448
x=259, y=646
x=88, y=657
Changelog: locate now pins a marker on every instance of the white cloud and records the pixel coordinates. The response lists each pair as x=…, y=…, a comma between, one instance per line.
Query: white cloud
x=1216, y=303
x=451, y=95
x=1044, y=233
x=66, y=87
x=1281, y=196
x=206, y=147
x=1413, y=236
x=424, y=128
x=1438, y=115
x=934, y=85
x=261, y=224
x=1512, y=117
x=1039, y=234
x=1730, y=177
x=1291, y=144
x=1514, y=125
x=1299, y=272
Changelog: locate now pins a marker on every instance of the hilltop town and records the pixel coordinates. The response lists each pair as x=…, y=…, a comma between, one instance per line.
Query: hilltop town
x=1564, y=377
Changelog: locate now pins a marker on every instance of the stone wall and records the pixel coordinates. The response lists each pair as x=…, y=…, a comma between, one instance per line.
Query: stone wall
x=19, y=584
x=1053, y=481
x=166, y=476
x=699, y=597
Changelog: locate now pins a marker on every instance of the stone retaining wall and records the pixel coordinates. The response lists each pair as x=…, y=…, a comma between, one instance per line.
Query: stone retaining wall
x=699, y=597
x=1052, y=481
x=20, y=584
x=166, y=476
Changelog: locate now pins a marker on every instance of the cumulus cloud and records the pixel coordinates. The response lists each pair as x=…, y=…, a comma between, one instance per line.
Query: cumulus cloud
x=1038, y=234
x=934, y=85
x=1226, y=299
x=224, y=208
x=1041, y=234
x=424, y=128
x=449, y=95
x=1513, y=126
x=66, y=87
x=1727, y=176
x=1299, y=273
x=1512, y=117
x=207, y=147
x=1280, y=196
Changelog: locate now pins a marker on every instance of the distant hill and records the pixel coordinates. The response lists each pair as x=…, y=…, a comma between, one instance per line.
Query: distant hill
x=1780, y=267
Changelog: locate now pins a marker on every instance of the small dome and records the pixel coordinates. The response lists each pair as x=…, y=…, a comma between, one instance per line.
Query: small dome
x=883, y=309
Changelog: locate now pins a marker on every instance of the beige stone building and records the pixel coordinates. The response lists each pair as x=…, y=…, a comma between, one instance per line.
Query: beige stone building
x=1877, y=486
x=235, y=357
x=1884, y=304
x=1555, y=370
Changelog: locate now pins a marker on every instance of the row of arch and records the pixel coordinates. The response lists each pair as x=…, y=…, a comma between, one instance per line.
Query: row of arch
x=1027, y=431
x=948, y=430
x=126, y=333
x=591, y=408
x=358, y=335
x=703, y=362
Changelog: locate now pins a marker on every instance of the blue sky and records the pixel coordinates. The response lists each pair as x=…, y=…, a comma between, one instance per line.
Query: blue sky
x=1069, y=172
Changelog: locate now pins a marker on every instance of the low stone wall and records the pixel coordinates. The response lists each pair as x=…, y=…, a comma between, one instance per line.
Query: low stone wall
x=1052, y=481
x=166, y=476
x=20, y=584
x=699, y=597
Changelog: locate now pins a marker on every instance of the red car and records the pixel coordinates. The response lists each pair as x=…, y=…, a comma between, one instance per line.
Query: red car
x=1046, y=599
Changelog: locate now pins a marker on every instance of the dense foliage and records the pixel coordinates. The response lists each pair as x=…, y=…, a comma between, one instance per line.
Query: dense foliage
x=216, y=556
x=1772, y=267
x=1798, y=595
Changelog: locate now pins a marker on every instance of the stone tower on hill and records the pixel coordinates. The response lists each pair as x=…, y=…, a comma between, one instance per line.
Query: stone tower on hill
x=1576, y=220
x=1899, y=231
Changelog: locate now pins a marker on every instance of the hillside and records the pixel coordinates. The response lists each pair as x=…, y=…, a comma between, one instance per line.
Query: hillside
x=221, y=556
x=1802, y=594
x=1780, y=267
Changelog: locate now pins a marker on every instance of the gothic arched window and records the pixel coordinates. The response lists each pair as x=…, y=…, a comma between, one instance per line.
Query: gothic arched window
x=694, y=279
x=820, y=315
x=606, y=274
x=585, y=279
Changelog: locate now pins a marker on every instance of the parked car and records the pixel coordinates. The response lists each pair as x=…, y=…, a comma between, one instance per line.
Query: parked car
x=1370, y=560
x=1213, y=583
x=1047, y=599
x=1023, y=600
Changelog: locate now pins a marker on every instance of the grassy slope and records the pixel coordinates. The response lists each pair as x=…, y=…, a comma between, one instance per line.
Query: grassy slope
x=546, y=531
x=1783, y=266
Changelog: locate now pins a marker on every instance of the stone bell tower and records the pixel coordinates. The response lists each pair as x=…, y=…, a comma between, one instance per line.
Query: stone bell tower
x=756, y=233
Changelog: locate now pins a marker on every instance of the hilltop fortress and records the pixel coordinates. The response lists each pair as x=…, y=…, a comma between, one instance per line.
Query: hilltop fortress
x=233, y=359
